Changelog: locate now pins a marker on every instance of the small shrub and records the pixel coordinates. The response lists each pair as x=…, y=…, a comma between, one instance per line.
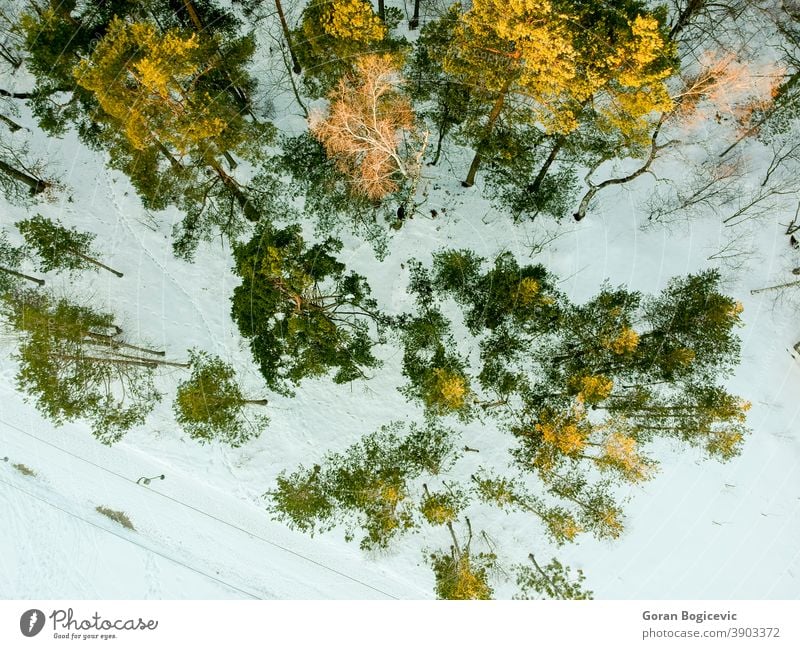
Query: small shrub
x=117, y=516
x=24, y=470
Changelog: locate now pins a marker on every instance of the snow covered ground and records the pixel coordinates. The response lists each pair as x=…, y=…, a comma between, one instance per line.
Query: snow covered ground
x=699, y=530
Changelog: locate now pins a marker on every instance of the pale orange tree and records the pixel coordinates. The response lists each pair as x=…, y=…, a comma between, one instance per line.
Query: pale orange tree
x=370, y=130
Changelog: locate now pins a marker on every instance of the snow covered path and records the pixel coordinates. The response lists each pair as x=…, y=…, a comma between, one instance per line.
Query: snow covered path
x=188, y=543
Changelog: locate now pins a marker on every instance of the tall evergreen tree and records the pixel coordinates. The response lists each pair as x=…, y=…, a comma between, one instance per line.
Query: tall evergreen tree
x=73, y=368
x=558, y=64
x=304, y=316
x=209, y=404
x=11, y=257
x=368, y=487
x=59, y=247
x=331, y=35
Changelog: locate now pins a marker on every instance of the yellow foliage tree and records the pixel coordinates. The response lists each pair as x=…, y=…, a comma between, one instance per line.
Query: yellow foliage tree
x=560, y=59
x=147, y=82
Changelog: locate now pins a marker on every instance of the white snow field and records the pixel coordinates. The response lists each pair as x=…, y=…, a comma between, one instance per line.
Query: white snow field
x=699, y=530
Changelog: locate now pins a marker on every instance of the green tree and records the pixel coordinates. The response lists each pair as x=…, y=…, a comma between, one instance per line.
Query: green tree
x=559, y=64
x=460, y=573
x=11, y=258
x=209, y=404
x=327, y=194
x=583, y=388
x=331, y=35
x=165, y=91
x=59, y=247
x=436, y=372
x=304, y=316
x=367, y=487
x=444, y=101
x=73, y=368
x=553, y=581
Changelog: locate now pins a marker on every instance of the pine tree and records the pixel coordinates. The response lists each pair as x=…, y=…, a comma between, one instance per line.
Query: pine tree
x=11, y=257
x=460, y=573
x=568, y=60
x=436, y=373
x=584, y=389
x=165, y=98
x=552, y=581
x=331, y=35
x=442, y=99
x=73, y=368
x=302, y=314
x=367, y=487
x=209, y=405
x=328, y=196
x=59, y=247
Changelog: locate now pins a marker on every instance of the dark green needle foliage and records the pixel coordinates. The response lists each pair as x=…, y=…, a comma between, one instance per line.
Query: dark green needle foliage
x=58, y=247
x=435, y=370
x=304, y=315
x=327, y=195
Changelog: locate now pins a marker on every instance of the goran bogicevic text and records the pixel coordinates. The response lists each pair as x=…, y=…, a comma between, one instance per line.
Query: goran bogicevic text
x=699, y=617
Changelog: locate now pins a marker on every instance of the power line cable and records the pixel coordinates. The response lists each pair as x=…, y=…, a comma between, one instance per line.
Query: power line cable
x=124, y=538
x=204, y=513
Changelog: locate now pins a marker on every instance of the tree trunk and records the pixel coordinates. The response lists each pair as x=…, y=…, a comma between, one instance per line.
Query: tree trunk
x=250, y=212
x=37, y=186
x=774, y=288
x=439, y=140
x=40, y=282
x=238, y=93
x=685, y=17
x=533, y=188
x=544, y=575
x=469, y=181
x=193, y=16
x=13, y=60
x=414, y=22
x=593, y=189
x=287, y=34
x=104, y=339
x=15, y=95
x=12, y=125
x=95, y=262
x=381, y=10
x=136, y=362
x=257, y=402
x=231, y=162
x=173, y=161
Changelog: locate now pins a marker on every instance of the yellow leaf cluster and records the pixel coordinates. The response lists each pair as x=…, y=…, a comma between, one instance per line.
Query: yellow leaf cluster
x=567, y=433
x=610, y=523
x=469, y=585
x=352, y=20
x=725, y=443
x=564, y=527
x=527, y=293
x=144, y=79
x=624, y=343
x=593, y=388
x=545, y=55
x=621, y=452
x=449, y=389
